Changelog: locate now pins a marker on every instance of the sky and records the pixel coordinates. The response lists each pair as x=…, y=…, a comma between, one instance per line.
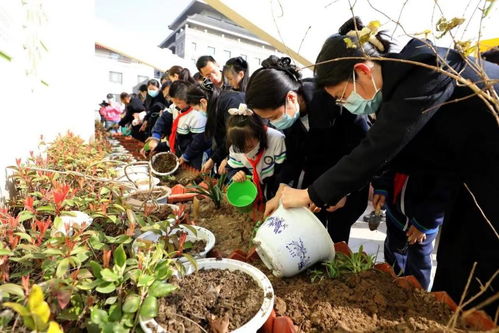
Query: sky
x=148, y=19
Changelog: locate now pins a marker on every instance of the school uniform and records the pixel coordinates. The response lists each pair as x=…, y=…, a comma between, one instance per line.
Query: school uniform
x=152, y=116
x=135, y=106
x=318, y=141
x=417, y=200
x=263, y=164
x=417, y=132
x=187, y=139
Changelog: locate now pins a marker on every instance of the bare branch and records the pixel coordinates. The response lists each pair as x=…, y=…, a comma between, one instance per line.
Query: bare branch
x=303, y=39
x=481, y=211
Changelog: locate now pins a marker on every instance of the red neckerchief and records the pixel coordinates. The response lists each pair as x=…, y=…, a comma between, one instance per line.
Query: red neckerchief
x=256, y=177
x=398, y=183
x=173, y=134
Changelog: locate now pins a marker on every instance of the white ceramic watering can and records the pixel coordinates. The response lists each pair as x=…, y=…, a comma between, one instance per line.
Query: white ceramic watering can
x=291, y=240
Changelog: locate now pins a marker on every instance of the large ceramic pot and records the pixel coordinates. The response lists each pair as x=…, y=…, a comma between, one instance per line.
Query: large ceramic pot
x=150, y=326
x=291, y=240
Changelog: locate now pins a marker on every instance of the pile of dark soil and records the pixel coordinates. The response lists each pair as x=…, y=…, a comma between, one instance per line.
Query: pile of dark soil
x=210, y=292
x=164, y=163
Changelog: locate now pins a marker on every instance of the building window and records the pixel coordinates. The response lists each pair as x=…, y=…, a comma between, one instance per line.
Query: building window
x=227, y=54
x=244, y=56
x=142, y=78
x=194, y=47
x=116, y=77
x=211, y=51
x=258, y=61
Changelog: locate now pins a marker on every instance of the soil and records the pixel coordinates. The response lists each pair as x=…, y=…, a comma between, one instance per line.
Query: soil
x=232, y=229
x=164, y=163
x=162, y=212
x=195, y=248
x=183, y=176
x=210, y=292
x=145, y=196
x=366, y=302
x=132, y=145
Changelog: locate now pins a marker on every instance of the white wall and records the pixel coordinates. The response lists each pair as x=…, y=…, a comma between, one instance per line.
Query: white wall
x=130, y=70
x=203, y=38
x=30, y=108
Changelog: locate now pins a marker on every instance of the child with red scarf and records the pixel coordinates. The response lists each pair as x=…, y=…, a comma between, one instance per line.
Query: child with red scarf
x=255, y=150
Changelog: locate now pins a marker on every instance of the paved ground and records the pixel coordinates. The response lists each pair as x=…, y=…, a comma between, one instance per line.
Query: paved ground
x=372, y=241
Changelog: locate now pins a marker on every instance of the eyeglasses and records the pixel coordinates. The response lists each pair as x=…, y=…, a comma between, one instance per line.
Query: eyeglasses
x=341, y=101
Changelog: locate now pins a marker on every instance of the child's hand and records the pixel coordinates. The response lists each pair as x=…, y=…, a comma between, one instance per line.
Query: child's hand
x=415, y=236
x=378, y=201
x=207, y=166
x=239, y=177
x=222, y=168
x=181, y=160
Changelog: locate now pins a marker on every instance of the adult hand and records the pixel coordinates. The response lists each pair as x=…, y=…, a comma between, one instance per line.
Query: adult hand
x=271, y=206
x=239, y=177
x=207, y=166
x=295, y=198
x=414, y=235
x=222, y=167
x=339, y=204
x=378, y=201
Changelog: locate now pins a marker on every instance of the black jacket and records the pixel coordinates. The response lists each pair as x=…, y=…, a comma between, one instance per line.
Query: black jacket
x=135, y=106
x=416, y=132
x=226, y=100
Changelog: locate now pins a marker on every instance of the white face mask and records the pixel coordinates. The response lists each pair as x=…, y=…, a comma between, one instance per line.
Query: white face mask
x=253, y=152
x=359, y=105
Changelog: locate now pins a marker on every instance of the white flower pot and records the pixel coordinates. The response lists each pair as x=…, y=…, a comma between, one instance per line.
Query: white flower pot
x=232, y=265
x=201, y=234
x=79, y=219
x=161, y=174
x=291, y=240
x=160, y=199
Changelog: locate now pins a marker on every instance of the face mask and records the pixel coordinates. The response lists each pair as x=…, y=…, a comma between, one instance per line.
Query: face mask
x=153, y=93
x=286, y=121
x=358, y=105
x=252, y=153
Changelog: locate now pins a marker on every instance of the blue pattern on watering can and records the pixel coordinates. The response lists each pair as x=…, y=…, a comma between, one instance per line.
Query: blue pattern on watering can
x=277, y=223
x=297, y=249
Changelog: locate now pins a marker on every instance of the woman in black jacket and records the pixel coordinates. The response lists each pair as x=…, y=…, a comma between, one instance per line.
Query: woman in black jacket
x=318, y=133
x=419, y=127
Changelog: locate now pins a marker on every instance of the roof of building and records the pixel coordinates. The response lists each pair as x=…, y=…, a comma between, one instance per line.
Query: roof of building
x=192, y=14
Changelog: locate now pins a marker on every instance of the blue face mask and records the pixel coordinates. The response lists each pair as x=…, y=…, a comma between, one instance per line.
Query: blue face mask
x=358, y=105
x=286, y=121
x=153, y=93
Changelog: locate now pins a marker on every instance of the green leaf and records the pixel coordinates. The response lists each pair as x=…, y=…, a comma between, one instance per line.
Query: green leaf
x=53, y=252
x=5, y=56
x=163, y=270
x=145, y=280
x=24, y=235
x=115, y=312
x=191, y=260
x=106, y=288
x=104, y=191
x=96, y=268
x=45, y=209
x=119, y=256
x=98, y=316
x=111, y=300
x=131, y=304
x=149, y=308
x=6, y=252
x=12, y=289
x=62, y=267
x=161, y=289
x=25, y=215
x=109, y=275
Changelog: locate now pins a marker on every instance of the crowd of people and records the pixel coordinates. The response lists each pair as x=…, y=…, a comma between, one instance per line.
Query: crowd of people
x=322, y=142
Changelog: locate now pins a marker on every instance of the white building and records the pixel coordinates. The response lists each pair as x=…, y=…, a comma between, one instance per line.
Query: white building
x=201, y=30
x=116, y=73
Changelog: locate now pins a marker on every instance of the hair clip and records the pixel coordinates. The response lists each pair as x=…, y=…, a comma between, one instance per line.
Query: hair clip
x=241, y=111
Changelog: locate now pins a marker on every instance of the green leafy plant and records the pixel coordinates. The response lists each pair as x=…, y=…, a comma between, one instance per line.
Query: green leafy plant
x=214, y=189
x=342, y=264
